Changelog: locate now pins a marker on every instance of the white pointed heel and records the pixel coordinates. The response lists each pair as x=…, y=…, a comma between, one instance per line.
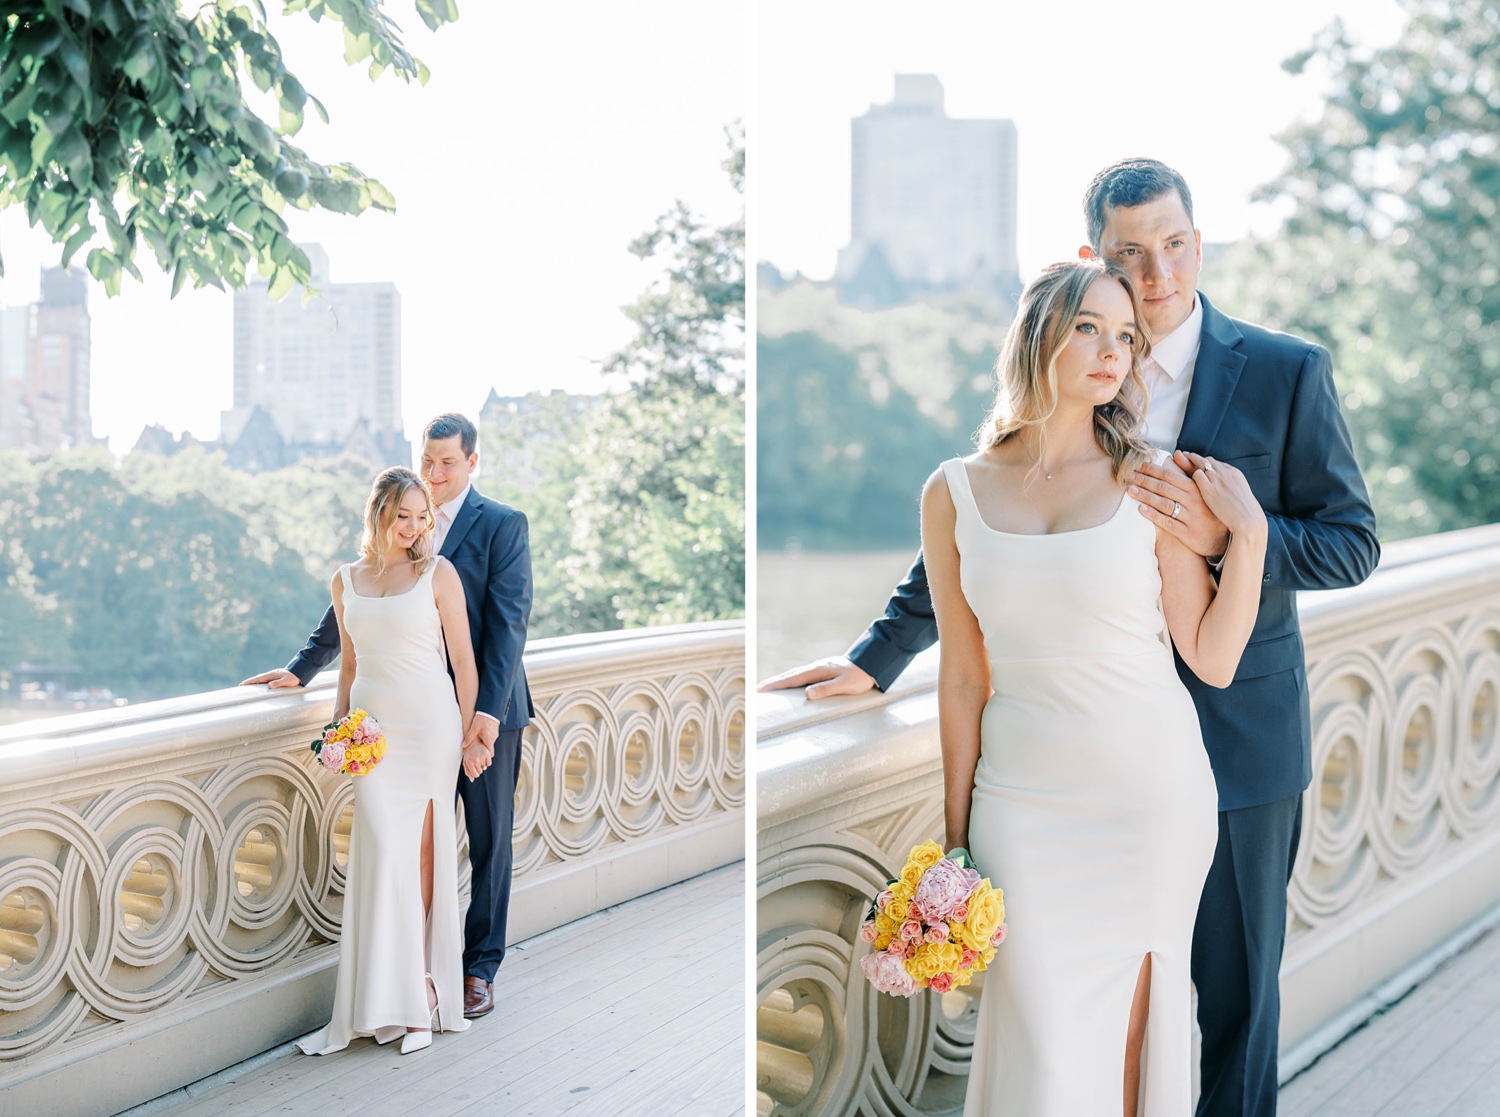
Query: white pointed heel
x=421, y=1039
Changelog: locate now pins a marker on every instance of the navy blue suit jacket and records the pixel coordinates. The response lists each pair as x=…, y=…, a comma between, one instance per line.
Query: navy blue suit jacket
x=1263, y=402
x=489, y=546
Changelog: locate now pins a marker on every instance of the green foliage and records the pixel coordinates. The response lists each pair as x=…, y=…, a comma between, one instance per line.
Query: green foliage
x=856, y=408
x=130, y=115
x=638, y=507
x=151, y=590
x=1391, y=258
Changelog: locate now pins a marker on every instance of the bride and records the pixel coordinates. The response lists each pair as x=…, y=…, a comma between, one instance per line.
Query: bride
x=402, y=620
x=1073, y=766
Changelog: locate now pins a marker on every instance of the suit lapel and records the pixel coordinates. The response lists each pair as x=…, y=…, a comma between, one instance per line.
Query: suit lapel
x=1215, y=375
x=462, y=523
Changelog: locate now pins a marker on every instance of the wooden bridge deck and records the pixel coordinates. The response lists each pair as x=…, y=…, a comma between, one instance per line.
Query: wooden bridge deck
x=637, y=1010
x=1434, y=1053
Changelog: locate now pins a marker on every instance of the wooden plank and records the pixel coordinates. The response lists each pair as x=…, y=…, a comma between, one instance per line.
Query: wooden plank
x=1412, y=1039
x=566, y=1001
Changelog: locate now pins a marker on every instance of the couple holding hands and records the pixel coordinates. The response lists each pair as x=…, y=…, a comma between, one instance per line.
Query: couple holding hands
x=1155, y=483
x=443, y=580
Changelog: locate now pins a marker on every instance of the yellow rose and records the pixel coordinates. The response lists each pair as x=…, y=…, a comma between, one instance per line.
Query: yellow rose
x=902, y=891
x=885, y=924
x=883, y=940
x=986, y=911
x=925, y=965
x=926, y=855
x=911, y=873
x=962, y=977
x=897, y=909
x=987, y=955
x=948, y=955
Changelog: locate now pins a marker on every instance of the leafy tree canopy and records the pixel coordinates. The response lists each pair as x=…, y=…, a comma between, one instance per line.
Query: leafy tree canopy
x=1391, y=257
x=132, y=116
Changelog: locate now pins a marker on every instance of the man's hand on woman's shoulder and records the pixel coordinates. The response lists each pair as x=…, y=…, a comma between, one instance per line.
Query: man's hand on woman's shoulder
x=826, y=677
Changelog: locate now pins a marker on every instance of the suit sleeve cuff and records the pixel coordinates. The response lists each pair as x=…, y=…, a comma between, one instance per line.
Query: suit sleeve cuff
x=482, y=714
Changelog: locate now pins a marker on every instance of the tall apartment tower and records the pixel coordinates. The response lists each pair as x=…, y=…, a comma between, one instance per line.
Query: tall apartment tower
x=328, y=375
x=44, y=368
x=934, y=200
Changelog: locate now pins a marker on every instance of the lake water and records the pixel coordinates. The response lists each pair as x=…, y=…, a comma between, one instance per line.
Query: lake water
x=816, y=605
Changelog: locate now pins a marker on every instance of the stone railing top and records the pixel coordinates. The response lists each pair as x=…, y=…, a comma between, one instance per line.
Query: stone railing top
x=56, y=748
x=809, y=751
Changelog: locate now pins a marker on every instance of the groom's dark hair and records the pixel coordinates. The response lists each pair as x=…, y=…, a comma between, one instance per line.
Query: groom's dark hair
x=1130, y=182
x=449, y=424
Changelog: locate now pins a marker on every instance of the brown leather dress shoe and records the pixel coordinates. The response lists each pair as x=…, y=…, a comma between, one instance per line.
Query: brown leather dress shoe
x=477, y=997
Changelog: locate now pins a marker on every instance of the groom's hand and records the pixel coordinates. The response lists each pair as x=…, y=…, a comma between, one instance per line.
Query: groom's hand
x=835, y=675
x=483, y=731
x=1158, y=488
x=276, y=679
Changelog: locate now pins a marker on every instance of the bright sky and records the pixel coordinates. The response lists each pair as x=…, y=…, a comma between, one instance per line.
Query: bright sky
x=548, y=138
x=1087, y=82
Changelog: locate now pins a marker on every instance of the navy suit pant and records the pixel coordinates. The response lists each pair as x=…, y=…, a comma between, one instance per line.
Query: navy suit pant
x=1237, y=943
x=489, y=810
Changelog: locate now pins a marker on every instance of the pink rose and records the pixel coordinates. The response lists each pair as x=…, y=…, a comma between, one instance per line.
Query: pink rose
x=896, y=947
x=330, y=734
x=968, y=960
x=959, y=914
x=911, y=931
x=883, y=901
x=867, y=931
x=943, y=983
x=999, y=936
x=938, y=932
x=888, y=974
x=944, y=888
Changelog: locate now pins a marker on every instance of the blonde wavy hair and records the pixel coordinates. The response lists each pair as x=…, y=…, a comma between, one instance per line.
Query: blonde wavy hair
x=1027, y=368
x=381, y=507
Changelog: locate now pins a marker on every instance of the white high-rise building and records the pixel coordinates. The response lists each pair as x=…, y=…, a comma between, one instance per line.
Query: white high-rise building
x=934, y=199
x=326, y=373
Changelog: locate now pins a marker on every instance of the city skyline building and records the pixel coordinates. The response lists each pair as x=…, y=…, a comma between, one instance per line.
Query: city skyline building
x=45, y=366
x=933, y=201
x=314, y=379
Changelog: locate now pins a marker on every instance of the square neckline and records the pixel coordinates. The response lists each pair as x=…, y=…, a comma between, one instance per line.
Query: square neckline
x=963, y=468
x=348, y=569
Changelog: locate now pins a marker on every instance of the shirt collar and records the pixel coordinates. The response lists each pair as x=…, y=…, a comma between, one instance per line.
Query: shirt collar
x=451, y=508
x=1175, y=352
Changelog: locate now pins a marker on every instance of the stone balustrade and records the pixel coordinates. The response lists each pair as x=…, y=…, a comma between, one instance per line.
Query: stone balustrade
x=172, y=874
x=1400, y=846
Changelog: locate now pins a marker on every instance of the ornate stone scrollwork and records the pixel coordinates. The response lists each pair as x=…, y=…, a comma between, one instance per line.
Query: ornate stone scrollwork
x=207, y=851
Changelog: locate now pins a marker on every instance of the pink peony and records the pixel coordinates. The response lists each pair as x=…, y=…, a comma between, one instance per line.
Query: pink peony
x=945, y=888
x=888, y=974
x=867, y=931
x=943, y=983
x=999, y=935
x=371, y=726
x=938, y=932
x=911, y=931
x=332, y=755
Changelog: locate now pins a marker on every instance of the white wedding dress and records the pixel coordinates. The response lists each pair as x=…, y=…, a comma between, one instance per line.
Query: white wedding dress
x=401, y=679
x=1094, y=809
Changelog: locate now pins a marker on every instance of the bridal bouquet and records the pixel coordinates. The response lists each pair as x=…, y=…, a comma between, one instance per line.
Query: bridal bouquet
x=934, y=926
x=352, y=745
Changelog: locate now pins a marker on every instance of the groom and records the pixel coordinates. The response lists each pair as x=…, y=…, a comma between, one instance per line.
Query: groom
x=486, y=542
x=1264, y=402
